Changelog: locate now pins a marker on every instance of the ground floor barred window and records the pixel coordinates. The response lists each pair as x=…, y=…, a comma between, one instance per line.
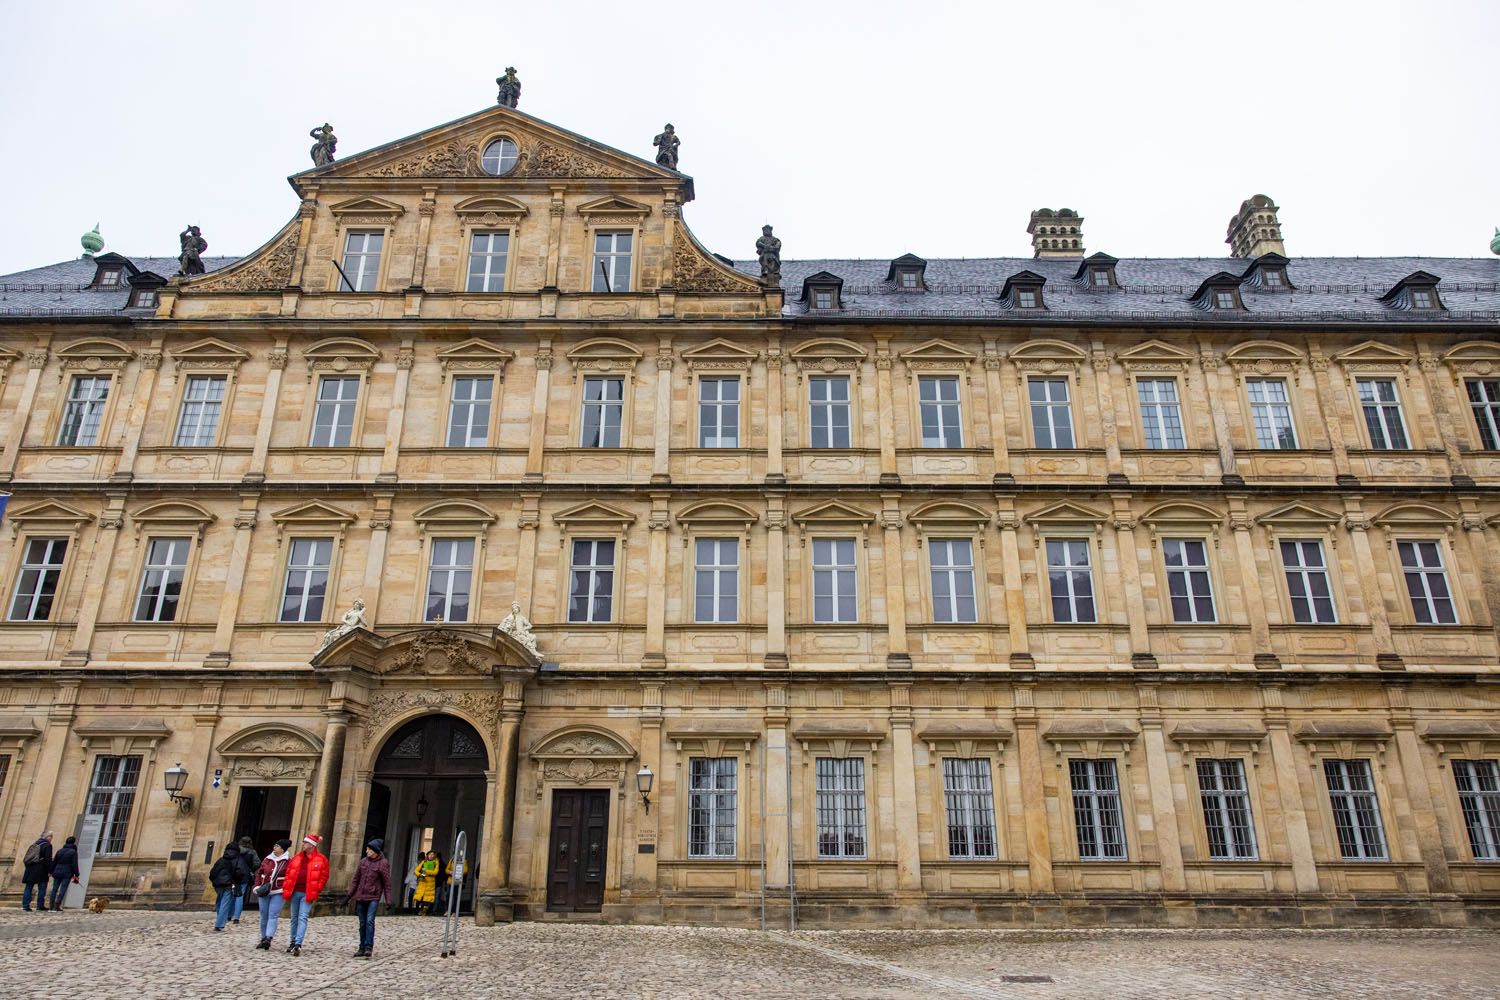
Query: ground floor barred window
x=1356, y=812
x=1479, y=796
x=111, y=796
x=711, y=806
x=1226, y=810
x=1096, y=810
x=841, y=807
x=970, y=802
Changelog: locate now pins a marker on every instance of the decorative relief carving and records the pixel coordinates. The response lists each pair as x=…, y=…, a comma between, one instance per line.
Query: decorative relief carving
x=405, y=358
x=883, y=360
x=480, y=707
x=438, y=651
x=454, y=159
x=277, y=359
x=245, y=519
x=548, y=160
x=544, y=360
x=36, y=359
x=580, y=771
x=272, y=271
x=664, y=362
x=692, y=271
x=380, y=523
x=112, y=522
x=151, y=359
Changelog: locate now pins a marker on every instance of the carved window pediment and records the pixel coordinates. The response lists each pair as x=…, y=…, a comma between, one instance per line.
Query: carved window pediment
x=837, y=741
x=709, y=515
x=1372, y=356
x=963, y=741
x=719, y=355
x=313, y=513
x=474, y=355
x=1067, y=515
x=340, y=354
x=445, y=515
x=366, y=211
x=1345, y=739
x=271, y=738
x=1091, y=737
x=1299, y=515
x=1475, y=358
x=949, y=516
x=490, y=210
x=1264, y=357
x=1469, y=739
x=832, y=514
x=1155, y=356
x=581, y=755
x=180, y=515
x=614, y=211
x=95, y=354
x=712, y=742
x=1048, y=357
x=828, y=355
x=209, y=353
x=48, y=515
x=604, y=355
x=594, y=515
x=1180, y=515
x=1219, y=739
x=937, y=355
x=122, y=736
x=1415, y=515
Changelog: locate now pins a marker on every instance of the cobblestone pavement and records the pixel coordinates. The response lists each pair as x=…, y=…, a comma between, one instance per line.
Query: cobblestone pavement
x=176, y=955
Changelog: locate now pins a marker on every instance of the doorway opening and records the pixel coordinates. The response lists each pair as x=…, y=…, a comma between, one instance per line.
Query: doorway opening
x=428, y=785
x=265, y=816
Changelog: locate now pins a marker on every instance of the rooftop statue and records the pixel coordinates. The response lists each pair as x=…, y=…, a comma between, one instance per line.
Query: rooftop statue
x=190, y=261
x=768, y=249
x=666, y=143
x=353, y=619
x=510, y=88
x=322, y=151
x=1494, y=243
x=518, y=627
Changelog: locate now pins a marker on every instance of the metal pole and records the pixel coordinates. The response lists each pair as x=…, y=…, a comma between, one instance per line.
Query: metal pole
x=455, y=895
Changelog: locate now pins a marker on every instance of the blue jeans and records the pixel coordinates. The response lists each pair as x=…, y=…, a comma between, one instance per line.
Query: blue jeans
x=41, y=895
x=270, y=912
x=301, y=910
x=239, y=902
x=223, y=906
x=59, y=890
x=365, y=909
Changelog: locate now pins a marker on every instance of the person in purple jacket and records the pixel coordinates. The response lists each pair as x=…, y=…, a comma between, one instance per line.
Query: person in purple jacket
x=372, y=883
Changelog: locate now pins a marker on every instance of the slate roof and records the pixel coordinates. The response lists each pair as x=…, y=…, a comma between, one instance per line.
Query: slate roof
x=1152, y=289
x=63, y=289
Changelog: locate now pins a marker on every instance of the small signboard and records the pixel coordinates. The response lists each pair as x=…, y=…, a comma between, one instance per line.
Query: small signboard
x=88, y=842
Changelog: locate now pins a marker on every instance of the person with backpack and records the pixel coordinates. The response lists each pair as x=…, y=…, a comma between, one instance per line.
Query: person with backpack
x=306, y=875
x=372, y=883
x=38, y=862
x=252, y=865
x=228, y=876
x=269, y=881
x=64, y=871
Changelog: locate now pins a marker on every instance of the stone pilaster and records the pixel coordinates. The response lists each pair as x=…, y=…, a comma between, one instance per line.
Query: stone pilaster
x=662, y=424
x=656, y=584
x=1288, y=790
x=1033, y=793
x=1104, y=392
x=140, y=407
x=886, y=410
x=776, y=580
x=537, y=439
x=234, y=581
x=96, y=578
x=1015, y=593
x=1245, y=548
x=21, y=419
x=904, y=790
x=268, y=409
x=396, y=417
x=1124, y=523
x=995, y=394
x=898, y=655
x=775, y=389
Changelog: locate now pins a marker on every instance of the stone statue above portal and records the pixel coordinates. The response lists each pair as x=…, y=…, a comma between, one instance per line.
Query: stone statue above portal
x=353, y=619
x=518, y=627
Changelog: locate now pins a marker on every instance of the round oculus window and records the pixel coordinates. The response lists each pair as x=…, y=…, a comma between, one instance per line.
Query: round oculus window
x=499, y=157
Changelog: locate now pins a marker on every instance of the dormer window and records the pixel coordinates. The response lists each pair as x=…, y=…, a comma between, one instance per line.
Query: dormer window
x=1272, y=279
x=1267, y=272
x=1097, y=271
x=1023, y=291
x=1219, y=293
x=108, y=277
x=112, y=270
x=144, y=298
x=1026, y=299
x=1224, y=300
x=908, y=273
x=823, y=292
x=1417, y=292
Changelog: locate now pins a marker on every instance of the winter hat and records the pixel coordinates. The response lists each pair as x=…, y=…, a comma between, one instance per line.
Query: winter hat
x=284, y=844
x=314, y=839
x=377, y=845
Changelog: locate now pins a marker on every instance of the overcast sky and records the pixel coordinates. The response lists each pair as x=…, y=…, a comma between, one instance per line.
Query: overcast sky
x=860, y=129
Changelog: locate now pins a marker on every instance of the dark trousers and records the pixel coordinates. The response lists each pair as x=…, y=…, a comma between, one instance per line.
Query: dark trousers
x=59, y=890
x=41, y=895
x=365, y=909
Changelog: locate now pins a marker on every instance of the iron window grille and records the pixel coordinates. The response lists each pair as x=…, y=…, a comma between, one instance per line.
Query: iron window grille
x=1356, y=812
x=970, y=803
x=161, y=579
x=841, y=807
x=1307, y=583
x=36, y=583
x=591, y=593
x=1479, y=797
x=1189, y=585
x=1226, y=810
x=712, y=797
x=1051, y=413
x=111, y=796
x=1427, y=583
x=1096, y=810
x=828, y=398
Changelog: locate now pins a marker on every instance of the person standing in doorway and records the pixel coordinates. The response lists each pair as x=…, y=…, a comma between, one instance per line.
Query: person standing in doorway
x=227, y=876
x=306, y=875
x=269, y=881
x=38, y=862
x=372, y=883
x=64, y=871
x=252, y=865
x=427, y=875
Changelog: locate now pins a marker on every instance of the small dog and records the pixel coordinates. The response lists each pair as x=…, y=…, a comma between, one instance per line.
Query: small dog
x=98, y=904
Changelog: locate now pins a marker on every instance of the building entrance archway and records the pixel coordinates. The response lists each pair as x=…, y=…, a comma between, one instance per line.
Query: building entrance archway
x=428, y=784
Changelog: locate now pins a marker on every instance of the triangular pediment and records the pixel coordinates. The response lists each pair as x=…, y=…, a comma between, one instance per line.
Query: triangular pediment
x=1155, y=352
x=833, y=512
x=1300, y=515
x=938, y=351
x=209, y=349
x=474, y=355
x=454, y=149
x=594, y=513
x=1066, y=512
x=1373, y=352
x=366, y=206
x=718, y=350
x=613, y=205
x=50, y=512
x=313, y=512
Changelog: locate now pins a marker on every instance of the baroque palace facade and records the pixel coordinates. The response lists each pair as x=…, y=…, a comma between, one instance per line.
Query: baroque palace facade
x=1065, y=589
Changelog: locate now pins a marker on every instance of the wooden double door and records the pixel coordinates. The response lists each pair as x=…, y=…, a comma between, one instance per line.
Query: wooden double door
x=577, y=850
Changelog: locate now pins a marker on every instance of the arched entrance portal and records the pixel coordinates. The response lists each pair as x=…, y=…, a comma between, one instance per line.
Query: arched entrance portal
x=429, y=783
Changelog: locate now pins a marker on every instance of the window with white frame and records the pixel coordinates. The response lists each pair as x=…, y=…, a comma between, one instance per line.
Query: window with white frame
x=1096, y=810
x=202, y=401
x=828, y=397
x=83, y=413
x=834, y=588
x=1307, y=582
x=307, y=564
x=1161, y=412
x=952, y=562
x=712, y=796
x=969, y=800
x=111, y=796
x=1189, y=585
x=603, y=411
x=333, y=414
x=841, y=807
x=361, y=264
x=469, y=411
x=450, y=579
x=36, y=583
x=1479, y=797
x=1427, y=582
x=716, y=580
x=1226, y=809
x=591, y=589
x=938, y=398
x=1356, y=811
x=1051, y=414
x=612, y=261
x=1484, y=401
x=487, y=256
x=1382, y=410
x=719, y=412
x=1070, y=579
x=1271, y=413
x=161, y=579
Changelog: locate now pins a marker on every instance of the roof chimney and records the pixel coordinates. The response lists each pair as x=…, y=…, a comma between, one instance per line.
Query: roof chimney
x=1255, y=230
x=1056, y=234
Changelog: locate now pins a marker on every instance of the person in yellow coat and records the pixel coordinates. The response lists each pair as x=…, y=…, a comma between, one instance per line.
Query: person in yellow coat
x=427, y=874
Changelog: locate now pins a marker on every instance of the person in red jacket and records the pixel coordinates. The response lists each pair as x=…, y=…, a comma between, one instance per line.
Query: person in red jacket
x=306, y=875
